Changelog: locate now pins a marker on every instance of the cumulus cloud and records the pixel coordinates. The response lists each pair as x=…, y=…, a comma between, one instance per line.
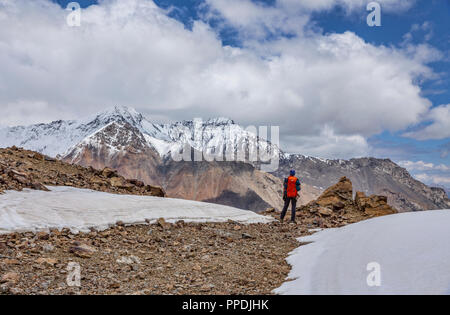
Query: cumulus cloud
x=329, y=145
x=434, y=179
x=439, y=127
x=328, y=93
x=429, y=173
x=258, y=20
x=423, y=166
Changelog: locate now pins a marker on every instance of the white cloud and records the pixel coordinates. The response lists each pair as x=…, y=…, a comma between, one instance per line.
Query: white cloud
x=439, y=128
x=423, y=166
x=333, y=90
x=350, y=5
x=434, y=179
x=329, y=145
x=426, y=28
x=429, y=173
x=256, y=20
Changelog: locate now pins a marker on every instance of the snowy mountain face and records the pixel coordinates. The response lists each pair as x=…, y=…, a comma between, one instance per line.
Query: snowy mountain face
x=59, y=138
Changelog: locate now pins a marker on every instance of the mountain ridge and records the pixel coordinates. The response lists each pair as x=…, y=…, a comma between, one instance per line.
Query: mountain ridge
x=122, y=138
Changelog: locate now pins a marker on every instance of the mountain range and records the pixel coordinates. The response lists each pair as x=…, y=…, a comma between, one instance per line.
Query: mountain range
x=123, y=139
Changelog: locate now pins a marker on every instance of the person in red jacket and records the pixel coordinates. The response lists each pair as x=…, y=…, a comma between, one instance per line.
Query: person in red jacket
x=291, y=190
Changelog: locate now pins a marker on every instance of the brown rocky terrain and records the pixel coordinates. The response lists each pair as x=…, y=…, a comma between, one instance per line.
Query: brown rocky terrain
x=21, y=169
x=182, y=258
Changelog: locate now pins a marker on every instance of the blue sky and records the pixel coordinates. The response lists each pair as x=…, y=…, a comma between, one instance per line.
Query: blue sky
x=418, y=35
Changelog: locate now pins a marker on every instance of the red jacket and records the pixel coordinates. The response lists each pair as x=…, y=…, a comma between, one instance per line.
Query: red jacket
x=291, y=186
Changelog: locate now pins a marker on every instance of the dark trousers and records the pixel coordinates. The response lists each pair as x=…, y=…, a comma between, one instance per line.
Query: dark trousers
x=288, y=200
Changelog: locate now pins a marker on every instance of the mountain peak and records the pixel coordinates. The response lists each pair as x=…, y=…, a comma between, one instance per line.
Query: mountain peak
x=220, y=121
x=121, y=111
x=121, y=114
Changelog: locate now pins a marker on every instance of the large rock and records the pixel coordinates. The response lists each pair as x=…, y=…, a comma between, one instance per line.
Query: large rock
x=120, y=182
x=373, y=205
x=82, y=250
x=11, y=277
x=336, y=207
x=337, y=196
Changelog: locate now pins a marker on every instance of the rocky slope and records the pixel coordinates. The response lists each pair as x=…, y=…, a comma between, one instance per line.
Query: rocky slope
x=21, y=169
x=125, y=140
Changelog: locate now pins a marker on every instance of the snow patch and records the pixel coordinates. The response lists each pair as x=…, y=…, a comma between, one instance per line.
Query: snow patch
x=412, y=249
x=82, y=209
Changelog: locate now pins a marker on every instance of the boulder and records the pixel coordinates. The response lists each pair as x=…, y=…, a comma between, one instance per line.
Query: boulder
x=325, y=211
x=96, y=180
x=338, y=195
x=163, y=224
x=11, y=277
x=108, y=173
x=374, y=205
x=82, y=250
x=155, y=191
x=121, y=183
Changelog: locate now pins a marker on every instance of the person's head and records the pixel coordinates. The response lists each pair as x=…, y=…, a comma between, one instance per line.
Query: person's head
x=292, y=172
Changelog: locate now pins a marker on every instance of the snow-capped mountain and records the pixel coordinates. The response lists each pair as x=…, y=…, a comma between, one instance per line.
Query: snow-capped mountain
x=57, y=137
x=126, y=140
x=61, y=138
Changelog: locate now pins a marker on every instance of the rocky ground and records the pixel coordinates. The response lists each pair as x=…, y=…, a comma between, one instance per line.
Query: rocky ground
x=181, y=258
x=161, y=258
x=21, y=169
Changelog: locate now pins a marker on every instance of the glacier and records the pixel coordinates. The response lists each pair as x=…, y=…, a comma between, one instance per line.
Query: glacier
x=412, y=251
x=83, y=209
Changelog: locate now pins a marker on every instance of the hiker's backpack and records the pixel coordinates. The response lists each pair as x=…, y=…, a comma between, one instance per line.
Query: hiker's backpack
x=291, y=190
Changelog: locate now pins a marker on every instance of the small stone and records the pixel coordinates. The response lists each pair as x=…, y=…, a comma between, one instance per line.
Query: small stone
x=42, y=235
x=246, y=236
x=47, y=261
x=11, y=277
x=114, y=285
x=82, y=250
x=48, y=248
x=129, y=260
x=11, y=262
